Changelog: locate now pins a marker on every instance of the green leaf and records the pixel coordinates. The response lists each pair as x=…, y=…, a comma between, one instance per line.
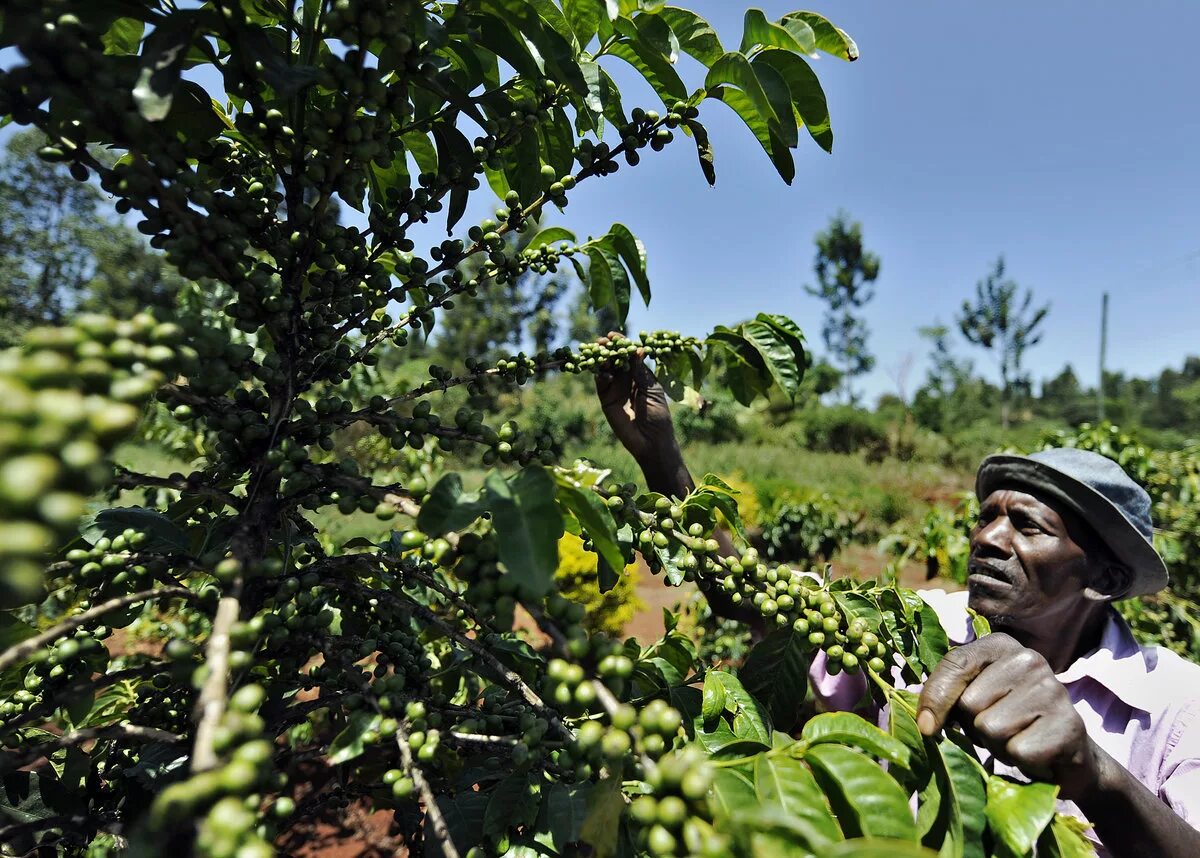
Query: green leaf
x=422, y=150
x=932, y=643
x=776, y=354
x=808, y=97
x=735, y=69
x=865, y=798
x=903, y=728
x=713, y=697
x=703, y=150
x=123, y=37
x=876, y=847
x=733, y=793
x=162, y=59
x=13, y=631
x=1018, y=813
x=1065, y=839
x=603, y=99
x=584, y=17
x=528, y=526
x=845, y=728
x=600, y=280
x=621, y=287
x=653, y=66
x=696, y=37
x=751, y=721
x=605, y=805
x=633, y=253
x=448, y=507
x=348, y=744
x=757, y=30
x=829, y=38
x=464, y=814
x=594, y=516
x=780, y=98
x=743, y=105
x=512, y=805
x=790, y=784
x=550, y=235
x=776, y=673
x=801, y=32
x=162, y=534
x=563, y=810
x=958, y=796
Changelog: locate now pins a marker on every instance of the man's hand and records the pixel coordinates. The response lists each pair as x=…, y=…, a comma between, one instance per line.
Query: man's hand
x=635, y=406
x=1008, y=700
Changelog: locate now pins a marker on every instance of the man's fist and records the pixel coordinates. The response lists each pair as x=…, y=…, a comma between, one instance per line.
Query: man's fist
x=635, y=406
x=1007, y=699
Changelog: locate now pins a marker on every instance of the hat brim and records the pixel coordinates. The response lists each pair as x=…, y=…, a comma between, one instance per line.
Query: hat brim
x=1130, y=547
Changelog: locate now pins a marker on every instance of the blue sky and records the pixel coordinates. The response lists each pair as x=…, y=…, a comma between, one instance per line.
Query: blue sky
x=1064, y=135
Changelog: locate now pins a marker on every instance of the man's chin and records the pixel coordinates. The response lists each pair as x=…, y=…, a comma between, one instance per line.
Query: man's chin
x=987, y=604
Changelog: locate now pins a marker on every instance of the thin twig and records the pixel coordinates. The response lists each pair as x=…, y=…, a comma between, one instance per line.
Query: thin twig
x=78, y=737
x=27, y=647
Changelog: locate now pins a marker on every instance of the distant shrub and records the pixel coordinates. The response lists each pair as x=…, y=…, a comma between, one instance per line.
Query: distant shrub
x=577, y=580
x=809, y=531
x=942, y=541
x=715, y=421
x=844, y=429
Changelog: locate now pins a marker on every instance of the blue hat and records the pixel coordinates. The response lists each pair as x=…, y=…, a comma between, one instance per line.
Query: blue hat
x=1099, y=491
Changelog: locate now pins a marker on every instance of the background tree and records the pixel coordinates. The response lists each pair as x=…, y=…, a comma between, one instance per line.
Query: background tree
x=845, y=275
x=61, y=251
x=1005, y=323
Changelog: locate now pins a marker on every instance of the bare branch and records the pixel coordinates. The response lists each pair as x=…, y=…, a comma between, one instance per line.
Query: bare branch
x=133, y=732
x=27, y=647
x=210, y=706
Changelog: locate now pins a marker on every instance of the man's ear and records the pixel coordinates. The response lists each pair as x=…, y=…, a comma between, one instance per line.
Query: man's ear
x=1109, y=582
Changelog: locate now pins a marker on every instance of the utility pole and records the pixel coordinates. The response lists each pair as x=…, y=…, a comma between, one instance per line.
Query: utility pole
x=1103, y=349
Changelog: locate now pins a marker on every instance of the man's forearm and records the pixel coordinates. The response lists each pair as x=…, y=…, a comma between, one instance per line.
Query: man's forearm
x=1130, y=820
x=667, y=474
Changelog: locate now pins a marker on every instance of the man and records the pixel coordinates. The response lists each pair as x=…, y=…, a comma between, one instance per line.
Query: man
x=1059, y=691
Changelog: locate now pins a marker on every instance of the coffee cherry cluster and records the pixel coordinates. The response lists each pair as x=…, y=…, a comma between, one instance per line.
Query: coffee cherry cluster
x=675, y=817
x=66, y=398
x=617, y=350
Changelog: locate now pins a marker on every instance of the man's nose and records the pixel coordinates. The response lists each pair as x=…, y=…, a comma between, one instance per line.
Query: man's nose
x=992, y=538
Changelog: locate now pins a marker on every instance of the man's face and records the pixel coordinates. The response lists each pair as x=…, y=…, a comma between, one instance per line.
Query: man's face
x=1026, y=567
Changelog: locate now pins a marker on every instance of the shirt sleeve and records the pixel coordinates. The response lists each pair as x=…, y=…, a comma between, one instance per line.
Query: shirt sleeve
x=840, y=693
x=1180, y=785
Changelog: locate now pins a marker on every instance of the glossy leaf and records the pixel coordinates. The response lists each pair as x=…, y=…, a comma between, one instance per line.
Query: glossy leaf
x=734, y=69
x=124, y=36
x=349, y=744
x=550, y=235
x=163, y=54
x=633, y=254
x=704, y=150
x=653, y=66
x=808, y=97
x=713, y=697
x=829, y=38
x=162, y=534
x=953, y=803
x=751, y=721
x=776, y=354
x=696, y=36
x=560, y=818
x=932, y=643
x=733, y=793
x=776, y=674
x=876, y=847
x=512, y=804
x=865, y=798
x=790, y=785
x=1018, y=813
x=528, y=526
x=584, y=18
x=846, y=728
x=1065, y=838
x=594, y=516
x=743, y=105
x=780, y=98
x=758, y=31
x=601, y=826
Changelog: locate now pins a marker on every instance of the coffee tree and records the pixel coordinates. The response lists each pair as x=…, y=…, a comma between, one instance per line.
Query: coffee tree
x=410, y=670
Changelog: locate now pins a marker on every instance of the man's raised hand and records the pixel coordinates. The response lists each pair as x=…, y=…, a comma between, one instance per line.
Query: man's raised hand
x=636, y=408
x=1007, y=699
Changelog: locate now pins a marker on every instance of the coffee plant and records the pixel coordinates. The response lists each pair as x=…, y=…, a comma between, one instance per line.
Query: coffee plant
x=236, y=132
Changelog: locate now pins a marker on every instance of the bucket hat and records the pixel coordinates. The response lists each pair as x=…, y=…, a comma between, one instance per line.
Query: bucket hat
x=1098, y=490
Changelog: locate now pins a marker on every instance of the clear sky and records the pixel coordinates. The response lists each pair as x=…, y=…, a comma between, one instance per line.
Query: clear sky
x=1064, y=135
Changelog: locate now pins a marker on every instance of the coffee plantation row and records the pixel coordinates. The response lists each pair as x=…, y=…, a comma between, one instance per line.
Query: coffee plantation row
x=404, y=668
